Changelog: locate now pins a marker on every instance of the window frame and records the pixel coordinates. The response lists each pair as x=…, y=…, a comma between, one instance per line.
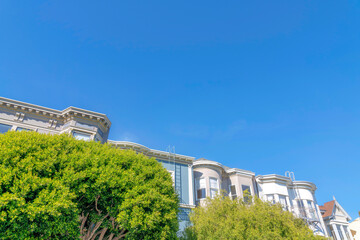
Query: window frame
x=302, y=209
x=211, y=188
x=246, y=199
x=198, y=188
x=231, y=194
x=22, y=129
x=285, y=205
x=82, y=133
x=311, y=209
x=273, y=198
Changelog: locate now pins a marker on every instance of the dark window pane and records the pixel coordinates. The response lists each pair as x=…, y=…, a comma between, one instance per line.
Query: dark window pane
x=233, y=190
x=201, y=193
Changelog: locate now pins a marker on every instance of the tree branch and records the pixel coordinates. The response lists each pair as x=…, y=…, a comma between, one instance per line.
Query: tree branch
x=96, y=206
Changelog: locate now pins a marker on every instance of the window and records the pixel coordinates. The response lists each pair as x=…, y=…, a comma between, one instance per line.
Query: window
x=301, y=208
x=97, y=138
x=311, y=209
x=200, y=188
x=270, y=198
x=282, y=200
x=246, y=192
x=233, y=192
x=20, y=129
x=214, y=187
x=4, y=128
x=81, y=136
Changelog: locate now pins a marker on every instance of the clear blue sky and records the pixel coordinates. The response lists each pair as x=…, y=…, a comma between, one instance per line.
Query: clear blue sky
x=267, y=86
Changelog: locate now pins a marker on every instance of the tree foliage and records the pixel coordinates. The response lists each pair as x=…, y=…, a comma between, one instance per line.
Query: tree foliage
x=56, y=187
x=223, y=218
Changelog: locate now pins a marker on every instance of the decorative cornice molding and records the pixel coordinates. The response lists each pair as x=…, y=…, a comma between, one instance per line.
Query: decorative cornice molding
x=161, y=155
x=202, y=162
x=63, y=115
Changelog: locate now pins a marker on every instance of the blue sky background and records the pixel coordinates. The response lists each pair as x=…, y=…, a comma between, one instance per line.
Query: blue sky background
x=268, y=86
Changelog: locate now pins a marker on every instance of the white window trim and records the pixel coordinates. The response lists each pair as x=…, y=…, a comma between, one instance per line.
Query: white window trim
x=231, y=193
x=250, y=190
x=91, y=136
x=197, y=187
x=217, y=183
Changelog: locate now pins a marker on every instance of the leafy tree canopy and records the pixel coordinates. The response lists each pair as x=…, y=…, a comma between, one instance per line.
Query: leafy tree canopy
x=56, y=187
x=223, y=218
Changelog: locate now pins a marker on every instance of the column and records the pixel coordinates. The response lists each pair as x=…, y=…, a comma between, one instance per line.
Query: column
x=191, y=185
x=349, y=232
x=344, y=232
x=337, y=236
x=323, y=225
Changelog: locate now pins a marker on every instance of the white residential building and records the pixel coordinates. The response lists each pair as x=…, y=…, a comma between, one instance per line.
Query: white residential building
x=336, y=220
x=211, y=177
x=194, y=180
x=355, y=228
x=297, y=197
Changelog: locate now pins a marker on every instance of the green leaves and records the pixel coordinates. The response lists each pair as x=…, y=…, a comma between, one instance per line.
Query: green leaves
x=50, y=186
x=223, y=218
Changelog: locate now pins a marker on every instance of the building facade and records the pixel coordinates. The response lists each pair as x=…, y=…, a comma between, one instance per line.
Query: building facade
x=355, y=228
x=194, y=179
x=210, y=177
x=336, y=220
x=297, y=197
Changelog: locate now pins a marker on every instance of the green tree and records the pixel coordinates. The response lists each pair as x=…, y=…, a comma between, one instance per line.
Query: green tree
x=56, y=187
x=223, y=218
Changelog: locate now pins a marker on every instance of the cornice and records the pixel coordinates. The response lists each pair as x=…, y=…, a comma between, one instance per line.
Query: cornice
x=162, y=155
x=63, y=115
x=202, y=162
x=205, y=162
x=240, y=172
x=304, y=184
x=273, y=178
